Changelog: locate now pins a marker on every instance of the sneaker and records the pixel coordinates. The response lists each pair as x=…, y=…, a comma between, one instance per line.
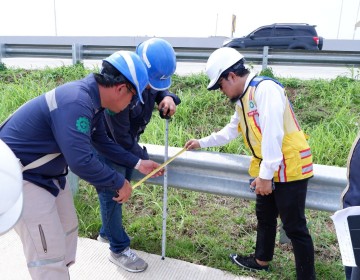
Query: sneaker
x=128, y=260
x=102, y=239
x=248, y=262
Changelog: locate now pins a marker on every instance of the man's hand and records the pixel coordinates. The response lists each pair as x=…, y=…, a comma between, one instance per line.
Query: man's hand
x=262, y=186
x=192, y=144
x=168, y=107
x=124, y=193
x=146, y=166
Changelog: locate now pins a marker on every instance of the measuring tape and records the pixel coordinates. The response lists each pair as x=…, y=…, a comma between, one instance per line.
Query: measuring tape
x=157, y=169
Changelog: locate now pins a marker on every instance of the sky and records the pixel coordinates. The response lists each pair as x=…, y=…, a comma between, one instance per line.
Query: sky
x=335, y=19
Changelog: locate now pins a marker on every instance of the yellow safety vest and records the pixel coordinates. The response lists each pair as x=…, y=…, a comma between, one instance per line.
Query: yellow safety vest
x=297, y=157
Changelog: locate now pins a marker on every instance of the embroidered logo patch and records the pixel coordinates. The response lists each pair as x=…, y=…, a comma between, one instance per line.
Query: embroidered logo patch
x=252, y=109
x=251, y=104
x=83, y=124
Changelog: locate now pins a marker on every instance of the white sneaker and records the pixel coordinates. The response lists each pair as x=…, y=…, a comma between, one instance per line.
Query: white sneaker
x=105, y=239
x=128, y=260
x=102, y=239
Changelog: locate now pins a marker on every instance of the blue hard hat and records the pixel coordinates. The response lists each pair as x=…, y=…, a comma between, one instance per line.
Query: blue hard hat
x=130, y=65
x=160, y=60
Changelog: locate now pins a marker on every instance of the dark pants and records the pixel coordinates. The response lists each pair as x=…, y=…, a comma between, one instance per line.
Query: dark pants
x=352, y=273
x=288, y=201
x=352, y=196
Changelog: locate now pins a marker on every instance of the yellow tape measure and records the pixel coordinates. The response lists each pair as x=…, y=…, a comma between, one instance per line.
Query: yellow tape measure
x=157, y=169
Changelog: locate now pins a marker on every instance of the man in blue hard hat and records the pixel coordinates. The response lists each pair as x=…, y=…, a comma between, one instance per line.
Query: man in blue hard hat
x=57, y=130
x=125, y=128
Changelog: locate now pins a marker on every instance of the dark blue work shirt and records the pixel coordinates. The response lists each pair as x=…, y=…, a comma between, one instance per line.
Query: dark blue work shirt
x=68, y=120
x=129, y=124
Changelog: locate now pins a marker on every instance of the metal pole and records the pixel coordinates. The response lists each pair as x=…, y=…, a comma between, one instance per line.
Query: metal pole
x=342, y=2
x=2, y=51
x=163, y=241
x=217, y=17
x=73, y=180
x=356, y=22
x=55, y=21
x=265, y=57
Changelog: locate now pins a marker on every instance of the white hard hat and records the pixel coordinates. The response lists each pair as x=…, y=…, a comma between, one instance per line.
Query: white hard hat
x=11, y=197
x=219, y=61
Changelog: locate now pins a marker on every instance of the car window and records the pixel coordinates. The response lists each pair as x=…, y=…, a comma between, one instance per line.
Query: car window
x=264, y=32
x=284, y=31
x=307, y=32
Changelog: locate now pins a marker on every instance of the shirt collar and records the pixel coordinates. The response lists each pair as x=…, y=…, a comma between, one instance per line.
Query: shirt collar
x=247, y=82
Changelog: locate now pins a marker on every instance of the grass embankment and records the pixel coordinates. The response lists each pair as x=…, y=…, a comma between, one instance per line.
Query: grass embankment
x=204, y=228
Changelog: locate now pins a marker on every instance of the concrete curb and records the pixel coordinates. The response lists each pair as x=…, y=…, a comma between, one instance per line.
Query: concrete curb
x=92, y=263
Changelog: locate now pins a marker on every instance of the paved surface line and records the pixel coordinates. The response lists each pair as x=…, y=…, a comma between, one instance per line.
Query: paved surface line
x=92, y=263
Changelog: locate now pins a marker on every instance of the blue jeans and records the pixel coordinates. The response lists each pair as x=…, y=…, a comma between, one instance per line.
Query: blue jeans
x=111, y=213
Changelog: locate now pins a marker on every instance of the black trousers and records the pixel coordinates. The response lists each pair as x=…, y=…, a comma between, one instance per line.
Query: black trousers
x=288, y=201
x=352, y=197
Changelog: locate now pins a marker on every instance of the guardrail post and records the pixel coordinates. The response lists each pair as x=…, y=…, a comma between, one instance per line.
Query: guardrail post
x=283, y=237
x=76, y=53
x=2, y=52
x=73, y=180
x=265, y=57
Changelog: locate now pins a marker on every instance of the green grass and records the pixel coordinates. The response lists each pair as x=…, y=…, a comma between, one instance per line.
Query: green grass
x=204, y=228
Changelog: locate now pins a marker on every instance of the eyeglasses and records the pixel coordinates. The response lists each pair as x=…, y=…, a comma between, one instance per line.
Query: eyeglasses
x=221, y=79
x=220, y=83
x=131, y=89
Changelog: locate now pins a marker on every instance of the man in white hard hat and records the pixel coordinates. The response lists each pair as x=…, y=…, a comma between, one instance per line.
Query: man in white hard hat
x=11, y=197
x=281, y=161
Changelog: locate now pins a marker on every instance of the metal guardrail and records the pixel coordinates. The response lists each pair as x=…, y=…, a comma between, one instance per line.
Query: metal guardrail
x=215, y=173
x=227, y=174
x=187, y=49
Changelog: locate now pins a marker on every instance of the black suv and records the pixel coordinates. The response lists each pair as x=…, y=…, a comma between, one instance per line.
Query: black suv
x=301, y=36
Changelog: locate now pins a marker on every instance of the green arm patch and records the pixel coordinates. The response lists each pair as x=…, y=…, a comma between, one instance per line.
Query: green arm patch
x=83, y=124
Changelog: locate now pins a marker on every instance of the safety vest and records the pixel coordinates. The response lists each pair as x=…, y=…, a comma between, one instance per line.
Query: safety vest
x=297, y=157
